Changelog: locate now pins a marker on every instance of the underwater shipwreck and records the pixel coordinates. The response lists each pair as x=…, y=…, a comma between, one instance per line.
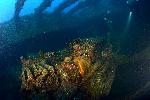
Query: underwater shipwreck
x=80, y=50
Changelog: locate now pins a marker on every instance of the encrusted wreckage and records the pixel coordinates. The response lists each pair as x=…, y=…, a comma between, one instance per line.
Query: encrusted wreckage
x=85, y=69
x=47, y=3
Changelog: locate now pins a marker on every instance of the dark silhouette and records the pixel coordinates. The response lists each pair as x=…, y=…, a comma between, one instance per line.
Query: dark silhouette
x=43, y=6
x=18, y=6
x=64, y=5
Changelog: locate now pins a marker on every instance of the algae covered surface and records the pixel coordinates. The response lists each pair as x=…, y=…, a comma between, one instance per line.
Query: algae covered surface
x=85, y=69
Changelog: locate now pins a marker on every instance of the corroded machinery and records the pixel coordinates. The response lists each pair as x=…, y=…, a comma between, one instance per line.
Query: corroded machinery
x=85, y=69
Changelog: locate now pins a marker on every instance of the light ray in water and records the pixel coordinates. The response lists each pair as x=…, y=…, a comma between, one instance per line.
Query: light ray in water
x=130, y=15
x=128, y=22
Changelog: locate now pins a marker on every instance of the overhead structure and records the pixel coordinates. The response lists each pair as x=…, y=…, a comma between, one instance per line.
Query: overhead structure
x=83, y=4
x=47, y=3
x=43, y=6
x=18, y=6
x=64, y=5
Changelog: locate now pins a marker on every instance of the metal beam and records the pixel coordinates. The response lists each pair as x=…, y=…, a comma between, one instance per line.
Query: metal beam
x=43, y=6
x=18, y=6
